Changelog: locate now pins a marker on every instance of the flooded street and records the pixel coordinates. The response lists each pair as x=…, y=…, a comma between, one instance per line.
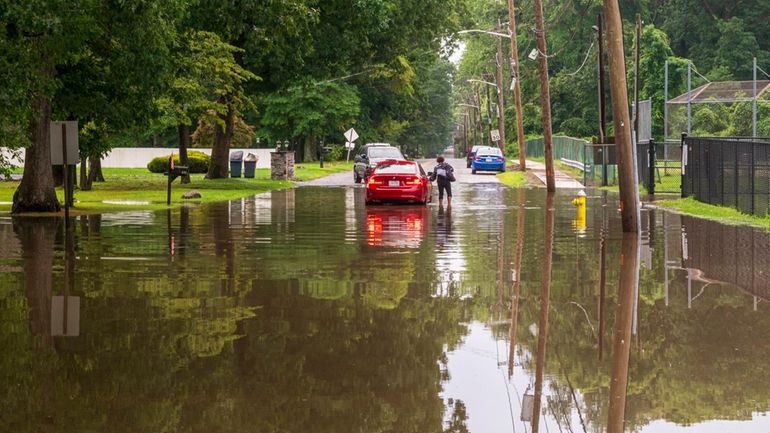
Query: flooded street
x=304, y=310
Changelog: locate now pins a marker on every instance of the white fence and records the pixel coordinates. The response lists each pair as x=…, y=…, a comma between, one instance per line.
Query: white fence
x=138, y=157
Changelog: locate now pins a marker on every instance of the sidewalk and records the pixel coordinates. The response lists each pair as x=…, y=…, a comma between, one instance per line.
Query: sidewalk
x=562, y=179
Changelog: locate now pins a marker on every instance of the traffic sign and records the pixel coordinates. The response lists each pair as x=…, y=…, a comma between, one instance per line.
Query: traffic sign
x=349, y=145
x=351, y=135
x=495, y=135
x=55, y=131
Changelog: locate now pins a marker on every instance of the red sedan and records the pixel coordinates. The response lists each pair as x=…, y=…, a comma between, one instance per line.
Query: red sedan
x=398, y=181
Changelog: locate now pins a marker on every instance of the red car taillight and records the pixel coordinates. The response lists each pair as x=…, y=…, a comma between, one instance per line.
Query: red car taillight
x=476, y=158
x=373, y=181
x=500, y=158
x=414, y=181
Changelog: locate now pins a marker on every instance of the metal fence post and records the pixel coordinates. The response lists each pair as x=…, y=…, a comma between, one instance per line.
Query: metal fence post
x=682, y=171
x=651, y=163
x=751, y=176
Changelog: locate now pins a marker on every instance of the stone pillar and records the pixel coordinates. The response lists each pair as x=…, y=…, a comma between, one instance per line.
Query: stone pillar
x=281, y=165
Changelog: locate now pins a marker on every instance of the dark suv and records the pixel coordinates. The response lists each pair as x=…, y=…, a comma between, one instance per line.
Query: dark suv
x=373, y=153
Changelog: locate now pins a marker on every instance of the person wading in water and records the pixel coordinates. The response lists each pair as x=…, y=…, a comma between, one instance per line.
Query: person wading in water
x=444, y=175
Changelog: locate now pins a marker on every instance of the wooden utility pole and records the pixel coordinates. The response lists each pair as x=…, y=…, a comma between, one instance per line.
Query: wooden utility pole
x=636, y=75
x=600, y=84
x=516, y=86
x=465, y=131
x=500, y=100
x=545, y=96
x=627, y=179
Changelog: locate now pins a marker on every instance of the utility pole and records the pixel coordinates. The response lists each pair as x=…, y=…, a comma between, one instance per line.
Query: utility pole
x=545, y=96
x=516, y=86
x=465, y=131
x=629, y=191
x=500, y=100
x=636, y=76
x=600, y=62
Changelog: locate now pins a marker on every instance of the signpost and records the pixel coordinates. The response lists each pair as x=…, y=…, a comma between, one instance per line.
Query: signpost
x=495, y=133
x=351, y=136
x=64, y=152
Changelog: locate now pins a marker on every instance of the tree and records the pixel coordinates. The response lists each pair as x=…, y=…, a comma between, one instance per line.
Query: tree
x=206, y=81
x=310, y=111
x=90, y=60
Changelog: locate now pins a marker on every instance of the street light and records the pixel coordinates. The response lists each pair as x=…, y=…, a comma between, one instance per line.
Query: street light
x=502, y=35
x=473, y=80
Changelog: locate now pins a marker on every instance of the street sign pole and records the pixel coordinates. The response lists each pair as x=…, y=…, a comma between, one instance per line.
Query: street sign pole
x=351, y=136
x=65, y=184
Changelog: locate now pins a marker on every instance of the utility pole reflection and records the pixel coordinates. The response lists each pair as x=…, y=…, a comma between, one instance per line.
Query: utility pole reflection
x=545, y=293
x=621, y=338
x=516, y=279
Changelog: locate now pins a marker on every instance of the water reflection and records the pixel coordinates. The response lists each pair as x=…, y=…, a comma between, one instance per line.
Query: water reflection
x=542, y=327
x=305, y=309
x=401, y=226
x=621, y=340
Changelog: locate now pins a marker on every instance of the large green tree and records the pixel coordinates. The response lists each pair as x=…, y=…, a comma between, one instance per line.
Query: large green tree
x=90, y=60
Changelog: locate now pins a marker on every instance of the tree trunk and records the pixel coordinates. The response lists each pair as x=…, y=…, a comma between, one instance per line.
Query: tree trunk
x=85, y=180
x=95, y=170
x=184, y=143
x=220, y=161
x=36, y=191
x=309, y=151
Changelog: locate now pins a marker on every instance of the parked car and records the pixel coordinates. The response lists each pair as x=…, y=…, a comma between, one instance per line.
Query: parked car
x=488, y=159
x=471, y=154
x=398, y=181
x=371, y=154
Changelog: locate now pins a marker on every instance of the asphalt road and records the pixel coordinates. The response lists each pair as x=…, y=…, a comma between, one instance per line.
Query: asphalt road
x=462, y=174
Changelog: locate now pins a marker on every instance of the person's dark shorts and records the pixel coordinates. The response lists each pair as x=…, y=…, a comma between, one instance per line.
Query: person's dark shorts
x=444, y=185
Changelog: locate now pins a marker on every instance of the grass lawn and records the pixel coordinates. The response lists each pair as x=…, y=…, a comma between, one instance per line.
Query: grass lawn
x=514, y=179
x=137, y=188
x=690, y=206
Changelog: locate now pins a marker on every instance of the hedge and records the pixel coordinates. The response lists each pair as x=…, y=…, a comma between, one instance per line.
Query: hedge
x=197, y=161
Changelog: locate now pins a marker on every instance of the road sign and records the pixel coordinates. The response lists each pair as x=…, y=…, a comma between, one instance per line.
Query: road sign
x=495, y=135
x=351, y=135
x=73, y=156
x=349, y=145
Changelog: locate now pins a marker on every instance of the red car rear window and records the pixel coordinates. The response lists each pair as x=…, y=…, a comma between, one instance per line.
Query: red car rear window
x=408, y=168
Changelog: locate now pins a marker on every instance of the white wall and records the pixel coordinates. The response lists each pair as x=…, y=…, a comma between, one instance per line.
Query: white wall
x=138, y=157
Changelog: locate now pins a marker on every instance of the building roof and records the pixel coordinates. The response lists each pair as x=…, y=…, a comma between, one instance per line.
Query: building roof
x=724, y=92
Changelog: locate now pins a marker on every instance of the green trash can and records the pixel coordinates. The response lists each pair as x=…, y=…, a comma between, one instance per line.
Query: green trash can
x=249, y=165
x=236, y=163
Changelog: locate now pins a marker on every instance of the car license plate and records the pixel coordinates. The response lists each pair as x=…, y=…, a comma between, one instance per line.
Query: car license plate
x=489, y=159
x=394, y=183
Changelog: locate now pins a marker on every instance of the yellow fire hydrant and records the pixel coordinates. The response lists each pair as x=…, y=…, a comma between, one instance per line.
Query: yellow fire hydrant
x=579, y=223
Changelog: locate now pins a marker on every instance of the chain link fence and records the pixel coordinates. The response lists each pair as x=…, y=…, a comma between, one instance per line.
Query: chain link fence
x=732, y=172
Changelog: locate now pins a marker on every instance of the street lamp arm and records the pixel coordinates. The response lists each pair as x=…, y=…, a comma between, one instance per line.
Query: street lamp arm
x=503, y=35
x=473, y=80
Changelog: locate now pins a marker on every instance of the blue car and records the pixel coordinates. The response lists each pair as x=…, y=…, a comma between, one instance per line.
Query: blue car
x=488, y=159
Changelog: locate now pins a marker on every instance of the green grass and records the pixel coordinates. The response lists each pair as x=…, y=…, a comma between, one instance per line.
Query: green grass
x=514, y=179
x=690, y=206
x=147, y=191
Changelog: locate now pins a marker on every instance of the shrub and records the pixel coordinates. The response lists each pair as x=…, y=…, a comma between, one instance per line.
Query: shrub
x=337, y=153
x=198, y=162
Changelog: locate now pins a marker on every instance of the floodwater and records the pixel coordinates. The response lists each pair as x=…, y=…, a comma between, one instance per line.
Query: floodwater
x=304, y=310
